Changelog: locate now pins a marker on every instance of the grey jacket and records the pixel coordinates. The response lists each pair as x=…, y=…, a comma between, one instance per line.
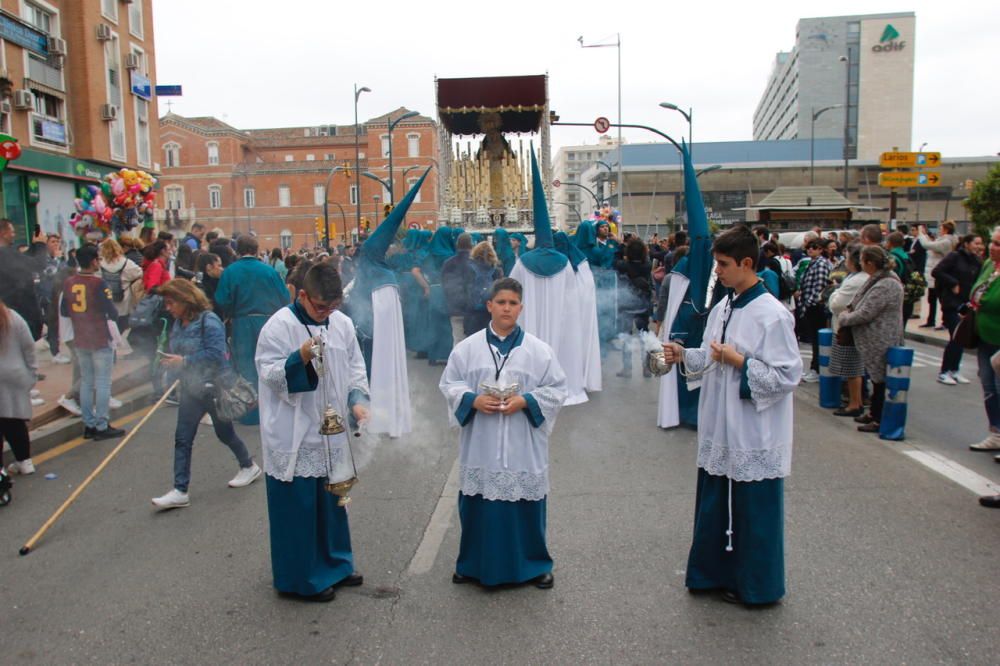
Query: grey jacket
x=17, y=369
x=876, y=318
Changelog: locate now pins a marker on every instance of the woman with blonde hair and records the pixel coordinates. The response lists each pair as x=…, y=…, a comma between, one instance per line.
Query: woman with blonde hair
x=122, y=275
x=487, y=269
x=17, y=375
x=198, y=353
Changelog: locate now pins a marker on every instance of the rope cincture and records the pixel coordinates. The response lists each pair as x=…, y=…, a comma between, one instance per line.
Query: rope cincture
x=729, y=532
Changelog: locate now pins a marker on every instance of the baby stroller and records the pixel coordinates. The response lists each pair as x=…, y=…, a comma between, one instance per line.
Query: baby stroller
x=5, y=485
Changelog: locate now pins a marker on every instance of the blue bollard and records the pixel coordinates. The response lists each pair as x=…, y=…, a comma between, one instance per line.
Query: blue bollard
x=829, y=386
x=899, y=360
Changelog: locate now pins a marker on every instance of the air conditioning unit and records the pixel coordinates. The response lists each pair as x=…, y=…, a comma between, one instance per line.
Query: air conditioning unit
x=5, y=106
x=103, y=32
x=57, y=46
x=109, y=112
x=132, y=61
x=23, y=99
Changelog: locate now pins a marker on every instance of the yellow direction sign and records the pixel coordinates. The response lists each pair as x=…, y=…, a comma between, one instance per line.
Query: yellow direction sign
x=909, y=179
x=911, y=160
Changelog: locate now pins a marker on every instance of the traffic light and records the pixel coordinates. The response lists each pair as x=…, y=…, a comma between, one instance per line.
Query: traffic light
x=386, y=209
x=969, y=183
x=347, y=169
x=320, y=229
x=365, y=224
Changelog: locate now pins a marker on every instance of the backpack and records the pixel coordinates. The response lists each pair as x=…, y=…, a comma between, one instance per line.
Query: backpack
x=114, y=280
x=786, y=286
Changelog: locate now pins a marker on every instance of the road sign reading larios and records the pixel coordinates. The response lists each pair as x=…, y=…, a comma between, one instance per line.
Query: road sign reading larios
x=910, y=160
x=908, y=179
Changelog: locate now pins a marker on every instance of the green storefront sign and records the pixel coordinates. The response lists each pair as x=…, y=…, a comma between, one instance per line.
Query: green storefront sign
x=57, y=165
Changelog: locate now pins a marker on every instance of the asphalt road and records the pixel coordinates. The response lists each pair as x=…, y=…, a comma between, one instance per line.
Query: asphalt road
x=887, y=561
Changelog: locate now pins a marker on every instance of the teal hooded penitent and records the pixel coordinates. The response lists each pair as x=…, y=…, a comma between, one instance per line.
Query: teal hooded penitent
x=373, y=271
x=505, y=251
x=544, y=260
x=572, y=252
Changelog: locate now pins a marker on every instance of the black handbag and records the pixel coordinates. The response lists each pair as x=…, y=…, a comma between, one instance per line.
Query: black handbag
x=845, y=336
x=965, y=333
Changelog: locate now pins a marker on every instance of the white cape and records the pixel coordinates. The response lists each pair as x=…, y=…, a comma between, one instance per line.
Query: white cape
x=552, y=314
x=390, y=409
x=668, y=415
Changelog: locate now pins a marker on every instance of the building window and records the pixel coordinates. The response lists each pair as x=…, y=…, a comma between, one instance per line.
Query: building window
x=109, y=10
x=289, y=158
x=135, y=26
x=43, y=19
x=172, y=154
x=47, y=124
x=413, y=145
x=284, y=196
x=310, y=158
x=215, y=196
x=213, y=152
x=112, y=62
x=410, y=182
x=354, y=195
x=174, y=196
x=319, y=194
x=142, y=131
x=329, y=157
x=385, y=145
x=42, y=71
x=286, y=239
x=249, y=197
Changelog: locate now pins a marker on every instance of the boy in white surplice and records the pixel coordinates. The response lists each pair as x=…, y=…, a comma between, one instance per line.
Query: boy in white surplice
x=748, y=364
x=504, y=387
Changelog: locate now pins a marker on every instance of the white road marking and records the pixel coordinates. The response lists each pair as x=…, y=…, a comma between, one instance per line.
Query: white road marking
x=430, y=544
x=950, y=469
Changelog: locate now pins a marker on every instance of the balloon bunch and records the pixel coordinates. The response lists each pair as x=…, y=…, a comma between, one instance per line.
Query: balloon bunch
x=117, y=205
x=610, y=215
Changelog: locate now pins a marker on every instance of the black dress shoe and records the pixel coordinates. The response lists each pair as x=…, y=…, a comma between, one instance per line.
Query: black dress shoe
x=108, y=433
x=730, y=597
x=459, y=579
x=326, y=596
x=544, y=582
x=864, y=419
x=354, y=580
x=991, y=501
x=868, y=427
x=849, y=412
x=88, y=433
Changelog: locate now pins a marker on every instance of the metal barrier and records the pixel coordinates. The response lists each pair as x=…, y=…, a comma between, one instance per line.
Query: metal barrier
x=829, y=386
x=899, y=360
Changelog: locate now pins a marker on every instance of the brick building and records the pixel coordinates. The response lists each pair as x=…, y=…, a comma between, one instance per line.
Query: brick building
x=76, y=90
x=272, y=181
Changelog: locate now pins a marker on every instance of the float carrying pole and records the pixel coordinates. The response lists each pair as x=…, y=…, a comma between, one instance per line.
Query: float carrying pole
x=899, y=360
x=829, y=386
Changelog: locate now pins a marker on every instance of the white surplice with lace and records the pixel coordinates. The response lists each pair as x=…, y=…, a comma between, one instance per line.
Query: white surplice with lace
x=748, y=439
x=505, y=457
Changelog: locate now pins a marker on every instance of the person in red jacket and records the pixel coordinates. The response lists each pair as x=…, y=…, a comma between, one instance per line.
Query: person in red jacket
x=155, y=271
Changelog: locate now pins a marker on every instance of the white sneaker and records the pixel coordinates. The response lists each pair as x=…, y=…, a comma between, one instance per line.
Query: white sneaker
x=958, y=378
x=70, y=405
x=810, y=377
x=991, y=443
x=36, y=402
x=947, y=379
x=24, y=467
x=175, y=499
x=114, y=403
x=61, y=359
x=245, y=476
x=34, y=393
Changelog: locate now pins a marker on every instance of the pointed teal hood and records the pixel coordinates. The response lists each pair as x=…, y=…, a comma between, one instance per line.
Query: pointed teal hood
x=378, y=243
x=544, y=260
x=572, y=252
x=505, y=251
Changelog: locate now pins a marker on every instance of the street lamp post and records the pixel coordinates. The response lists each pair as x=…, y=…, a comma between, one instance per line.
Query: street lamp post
x=392, y=124
x=326, y=210
x=375, y=200
x=687, y=117
x=618, y=45
x=357, y=156
x=847, y=115
x=812, y=139
x=597, y=202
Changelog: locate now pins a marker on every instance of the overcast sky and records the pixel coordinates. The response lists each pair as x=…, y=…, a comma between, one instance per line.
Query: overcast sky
x=295, y=62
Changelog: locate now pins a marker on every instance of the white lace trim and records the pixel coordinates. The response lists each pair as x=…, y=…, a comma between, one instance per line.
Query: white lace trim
x=274, y=377
x=695, y=359
x=310, y=463
x=765, y=384
x=504, y=485
x=756, y=465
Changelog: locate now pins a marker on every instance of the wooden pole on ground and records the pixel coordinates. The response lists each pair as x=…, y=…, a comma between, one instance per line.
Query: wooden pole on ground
x=100, y=468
